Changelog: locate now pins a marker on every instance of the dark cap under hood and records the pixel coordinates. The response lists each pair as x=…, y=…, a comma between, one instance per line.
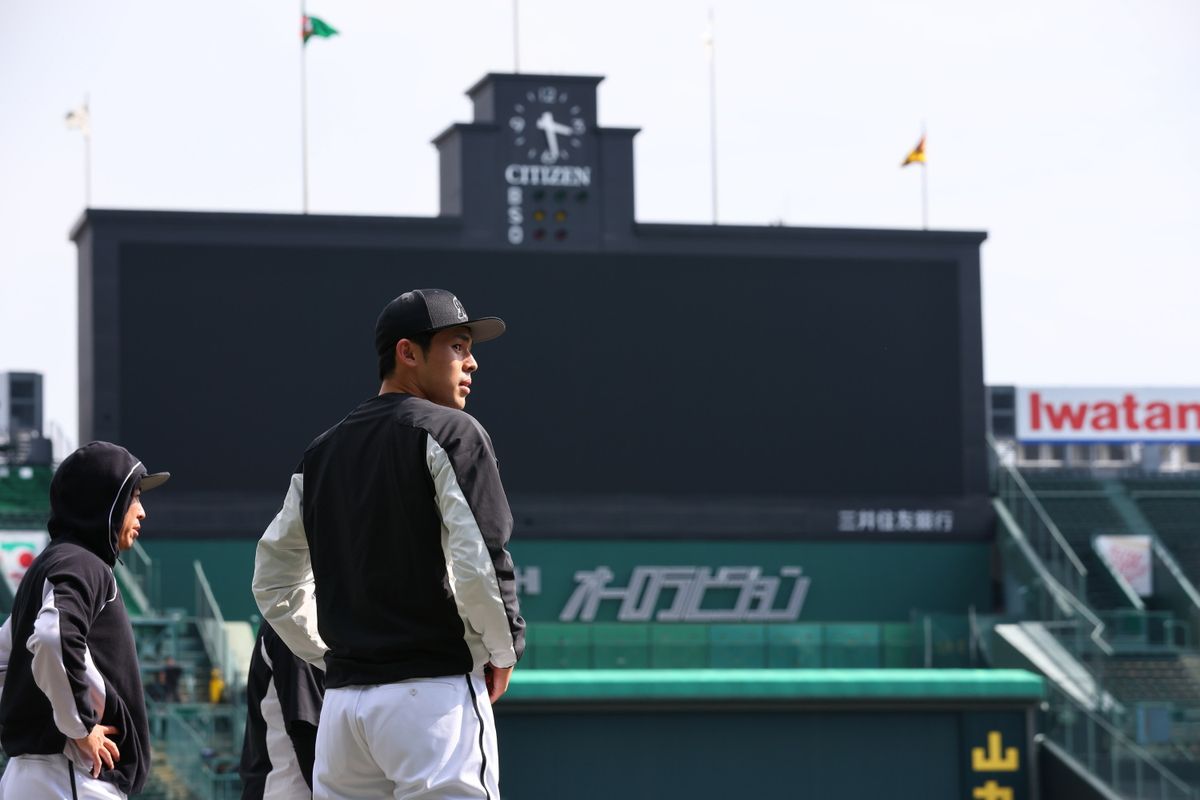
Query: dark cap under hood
x=90, y=493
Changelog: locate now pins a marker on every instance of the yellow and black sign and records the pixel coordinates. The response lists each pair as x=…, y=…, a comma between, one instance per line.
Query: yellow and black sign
x=996, y=757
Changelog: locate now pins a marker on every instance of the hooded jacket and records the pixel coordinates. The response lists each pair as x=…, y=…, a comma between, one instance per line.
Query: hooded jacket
x=67, y=655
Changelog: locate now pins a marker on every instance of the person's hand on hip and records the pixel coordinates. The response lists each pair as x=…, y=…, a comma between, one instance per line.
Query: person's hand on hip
x=101, y=749
x=497, y=680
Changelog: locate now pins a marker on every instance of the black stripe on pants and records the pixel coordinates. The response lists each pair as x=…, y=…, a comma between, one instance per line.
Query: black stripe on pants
x=482, y=752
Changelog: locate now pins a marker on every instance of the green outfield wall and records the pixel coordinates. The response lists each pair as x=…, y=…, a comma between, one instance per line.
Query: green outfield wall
x=666, y=582
x=823, y=734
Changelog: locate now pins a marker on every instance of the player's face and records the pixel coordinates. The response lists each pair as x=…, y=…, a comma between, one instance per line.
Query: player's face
x=132, y=524
x=444, y=373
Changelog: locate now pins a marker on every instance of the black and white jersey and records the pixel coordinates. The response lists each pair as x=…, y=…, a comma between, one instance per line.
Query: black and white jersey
x=388, y=560
x=67, y=655
x=283, y=707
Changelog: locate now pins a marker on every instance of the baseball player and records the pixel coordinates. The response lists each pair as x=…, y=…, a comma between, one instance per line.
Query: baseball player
x=283, y=706
x=72, y=712
x=387, y=565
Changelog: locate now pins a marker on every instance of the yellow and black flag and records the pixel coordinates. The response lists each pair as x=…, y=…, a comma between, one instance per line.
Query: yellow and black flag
x=917, y=156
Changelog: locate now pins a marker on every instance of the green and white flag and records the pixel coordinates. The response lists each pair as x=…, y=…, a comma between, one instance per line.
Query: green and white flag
x=315, y=26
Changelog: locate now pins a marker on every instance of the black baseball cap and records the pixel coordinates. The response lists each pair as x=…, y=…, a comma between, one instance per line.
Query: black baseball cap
x=428, y=311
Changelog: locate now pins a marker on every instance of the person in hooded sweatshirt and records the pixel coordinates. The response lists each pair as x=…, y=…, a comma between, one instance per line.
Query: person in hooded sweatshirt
x=72, y=714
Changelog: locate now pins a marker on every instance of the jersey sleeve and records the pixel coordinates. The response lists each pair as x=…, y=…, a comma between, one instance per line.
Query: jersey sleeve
x=62, y=666
x=283, y=583
x=477, y=524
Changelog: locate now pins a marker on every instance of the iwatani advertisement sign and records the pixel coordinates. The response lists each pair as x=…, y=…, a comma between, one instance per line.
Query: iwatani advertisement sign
x=1107, y=414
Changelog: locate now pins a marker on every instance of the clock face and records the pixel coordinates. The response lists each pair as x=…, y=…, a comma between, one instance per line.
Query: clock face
x=546, y=126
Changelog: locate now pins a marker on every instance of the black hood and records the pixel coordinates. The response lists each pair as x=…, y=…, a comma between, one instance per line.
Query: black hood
x=90, y=493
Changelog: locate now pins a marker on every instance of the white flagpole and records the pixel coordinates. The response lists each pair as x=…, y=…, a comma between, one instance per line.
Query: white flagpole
x=924, y=185
x=303, y=113
x=516, y=37
x=711, y=46
x=925, y=196
x=87, y=154
x=80, y=119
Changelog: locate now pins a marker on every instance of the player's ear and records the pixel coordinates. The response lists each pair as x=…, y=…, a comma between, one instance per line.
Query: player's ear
x=406, y=353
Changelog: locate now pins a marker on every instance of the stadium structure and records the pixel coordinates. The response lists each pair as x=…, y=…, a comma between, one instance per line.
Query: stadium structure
x=774, y=536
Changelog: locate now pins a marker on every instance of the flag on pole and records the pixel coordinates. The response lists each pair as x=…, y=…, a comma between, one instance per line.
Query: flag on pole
x=315, y=26
x=917, y=156
x=79, y=119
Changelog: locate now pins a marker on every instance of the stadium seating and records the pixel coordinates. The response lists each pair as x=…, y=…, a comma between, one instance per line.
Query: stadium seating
x=1176, y=519
x=1156, y=683
x=1141, y=678
x=1081, y=516
x=1185, y=483
x=1045, y=482
x=1083, y=507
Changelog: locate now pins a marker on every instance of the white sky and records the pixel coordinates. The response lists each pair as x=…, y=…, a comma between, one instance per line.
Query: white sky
x=1069, y=130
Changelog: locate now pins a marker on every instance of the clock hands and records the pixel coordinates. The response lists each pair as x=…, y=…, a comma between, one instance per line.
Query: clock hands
x=552, y=129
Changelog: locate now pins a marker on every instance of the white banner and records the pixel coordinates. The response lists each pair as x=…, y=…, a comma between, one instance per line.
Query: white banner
x=1100, y=414
x=18, y=549
x=1130, y=557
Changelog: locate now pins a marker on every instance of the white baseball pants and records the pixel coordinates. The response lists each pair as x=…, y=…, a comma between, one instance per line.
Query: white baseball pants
x=421, y=739
x=53, y=778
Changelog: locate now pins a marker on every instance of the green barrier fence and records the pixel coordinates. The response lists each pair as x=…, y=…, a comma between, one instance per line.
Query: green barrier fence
x=934, y=641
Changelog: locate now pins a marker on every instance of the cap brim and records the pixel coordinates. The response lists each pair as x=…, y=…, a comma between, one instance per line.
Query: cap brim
x=153, y=481
x=485, y=329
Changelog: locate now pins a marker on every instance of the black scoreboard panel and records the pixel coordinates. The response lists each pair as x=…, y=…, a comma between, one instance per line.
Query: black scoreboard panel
x=621, y=373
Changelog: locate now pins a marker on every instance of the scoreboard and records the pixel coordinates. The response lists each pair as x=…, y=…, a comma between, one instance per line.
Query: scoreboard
x=651, y=369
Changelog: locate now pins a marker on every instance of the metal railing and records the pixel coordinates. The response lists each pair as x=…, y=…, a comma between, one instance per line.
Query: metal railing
x=210, y=622
x=1109, y=754
x=1054, y=590
x=1176, y=590
x=1172, y=566
x=189, y=746
x=1072, y=636
x=1045, y=598
x=1130, y=630
x=1042, y=534
x=141, y=578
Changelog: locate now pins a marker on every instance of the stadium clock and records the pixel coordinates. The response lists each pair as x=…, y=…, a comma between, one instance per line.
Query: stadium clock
x=546, y=126
x=551, y=161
